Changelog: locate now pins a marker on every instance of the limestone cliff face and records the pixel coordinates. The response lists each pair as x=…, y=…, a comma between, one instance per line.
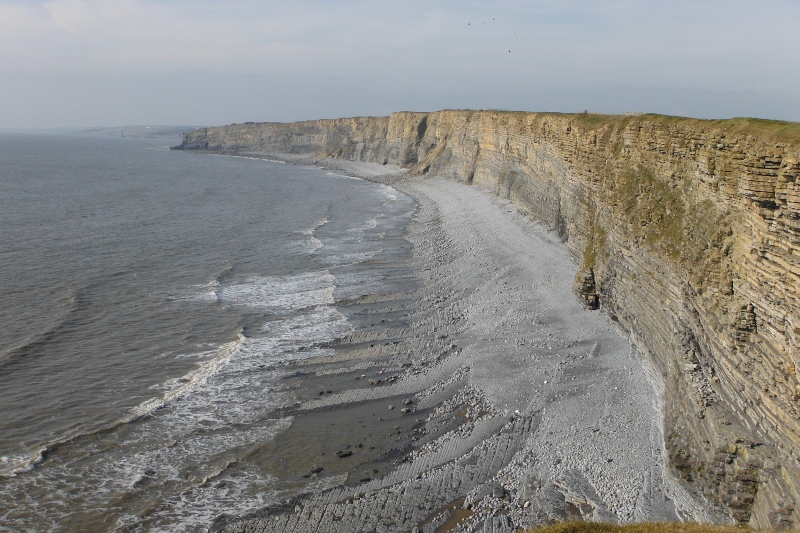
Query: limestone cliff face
x=687, y=232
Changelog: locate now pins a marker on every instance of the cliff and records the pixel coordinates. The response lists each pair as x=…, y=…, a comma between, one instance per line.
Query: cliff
x=686, y=232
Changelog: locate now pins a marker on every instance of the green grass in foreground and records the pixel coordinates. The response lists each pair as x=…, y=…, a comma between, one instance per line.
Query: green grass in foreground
x=649, y=527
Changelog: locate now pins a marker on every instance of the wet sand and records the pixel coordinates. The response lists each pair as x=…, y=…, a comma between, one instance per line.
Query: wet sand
x=483, y=399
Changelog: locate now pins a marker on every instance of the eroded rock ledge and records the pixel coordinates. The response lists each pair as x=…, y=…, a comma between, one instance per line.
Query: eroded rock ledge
x=686, y=231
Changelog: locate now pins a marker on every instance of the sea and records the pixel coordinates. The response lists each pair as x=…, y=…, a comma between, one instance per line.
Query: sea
x=151, y=301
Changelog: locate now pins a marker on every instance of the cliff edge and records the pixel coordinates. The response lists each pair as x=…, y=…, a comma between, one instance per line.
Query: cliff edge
x=686, y=232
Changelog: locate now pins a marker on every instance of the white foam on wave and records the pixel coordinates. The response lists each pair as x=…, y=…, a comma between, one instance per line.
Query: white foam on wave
x=294, y=338
x=356, y=284
x=281, y=293
x=207, y=292
x=264, y=159
x=312, y=242
x=342, y=176
x=199, y=293
x=351, y=258
x=355, y=244
x=389, y=193
x=11, y=465
x=189, y=382
x=372, y=223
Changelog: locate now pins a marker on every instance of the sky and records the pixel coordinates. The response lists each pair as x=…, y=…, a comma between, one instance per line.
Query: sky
x=85, y=63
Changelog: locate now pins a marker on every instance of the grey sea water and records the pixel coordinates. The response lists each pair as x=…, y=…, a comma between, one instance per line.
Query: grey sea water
x=151, y=301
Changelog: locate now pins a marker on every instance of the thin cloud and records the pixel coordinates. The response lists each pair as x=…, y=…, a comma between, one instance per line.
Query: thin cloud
x=478, y=53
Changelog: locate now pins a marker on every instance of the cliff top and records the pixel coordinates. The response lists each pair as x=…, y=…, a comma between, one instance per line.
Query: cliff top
x=769, y=130
x=776, y=131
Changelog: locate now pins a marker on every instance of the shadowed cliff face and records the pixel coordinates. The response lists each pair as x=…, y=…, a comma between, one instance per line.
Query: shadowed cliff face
x=685, y=231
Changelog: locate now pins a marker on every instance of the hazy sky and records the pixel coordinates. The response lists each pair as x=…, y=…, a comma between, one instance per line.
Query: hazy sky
x=203, y=62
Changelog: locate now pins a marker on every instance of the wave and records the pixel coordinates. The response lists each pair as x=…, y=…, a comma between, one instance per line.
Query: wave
x=342, y=176
x=281, y=293
x=202, y=497
x=313, y=242
x=214, y=286
x=352, y=258
x=265, y=159
x=17, y=464
x=390, y=193
x=253, y=355
x=14, y=465
x=294, y=338
x=259, y=158
x=189, y=381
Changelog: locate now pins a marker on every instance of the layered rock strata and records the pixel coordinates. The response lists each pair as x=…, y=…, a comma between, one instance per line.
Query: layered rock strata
x=686, y=232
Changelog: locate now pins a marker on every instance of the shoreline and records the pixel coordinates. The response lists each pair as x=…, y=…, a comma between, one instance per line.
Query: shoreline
x=522, y=407
x=385, y=174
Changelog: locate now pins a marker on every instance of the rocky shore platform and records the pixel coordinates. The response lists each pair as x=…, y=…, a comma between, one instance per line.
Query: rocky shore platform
x=486, y=398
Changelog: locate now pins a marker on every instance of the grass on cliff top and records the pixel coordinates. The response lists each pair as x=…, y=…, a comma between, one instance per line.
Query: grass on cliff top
x=775, y=130
x=772, y=130
x=577, y=526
